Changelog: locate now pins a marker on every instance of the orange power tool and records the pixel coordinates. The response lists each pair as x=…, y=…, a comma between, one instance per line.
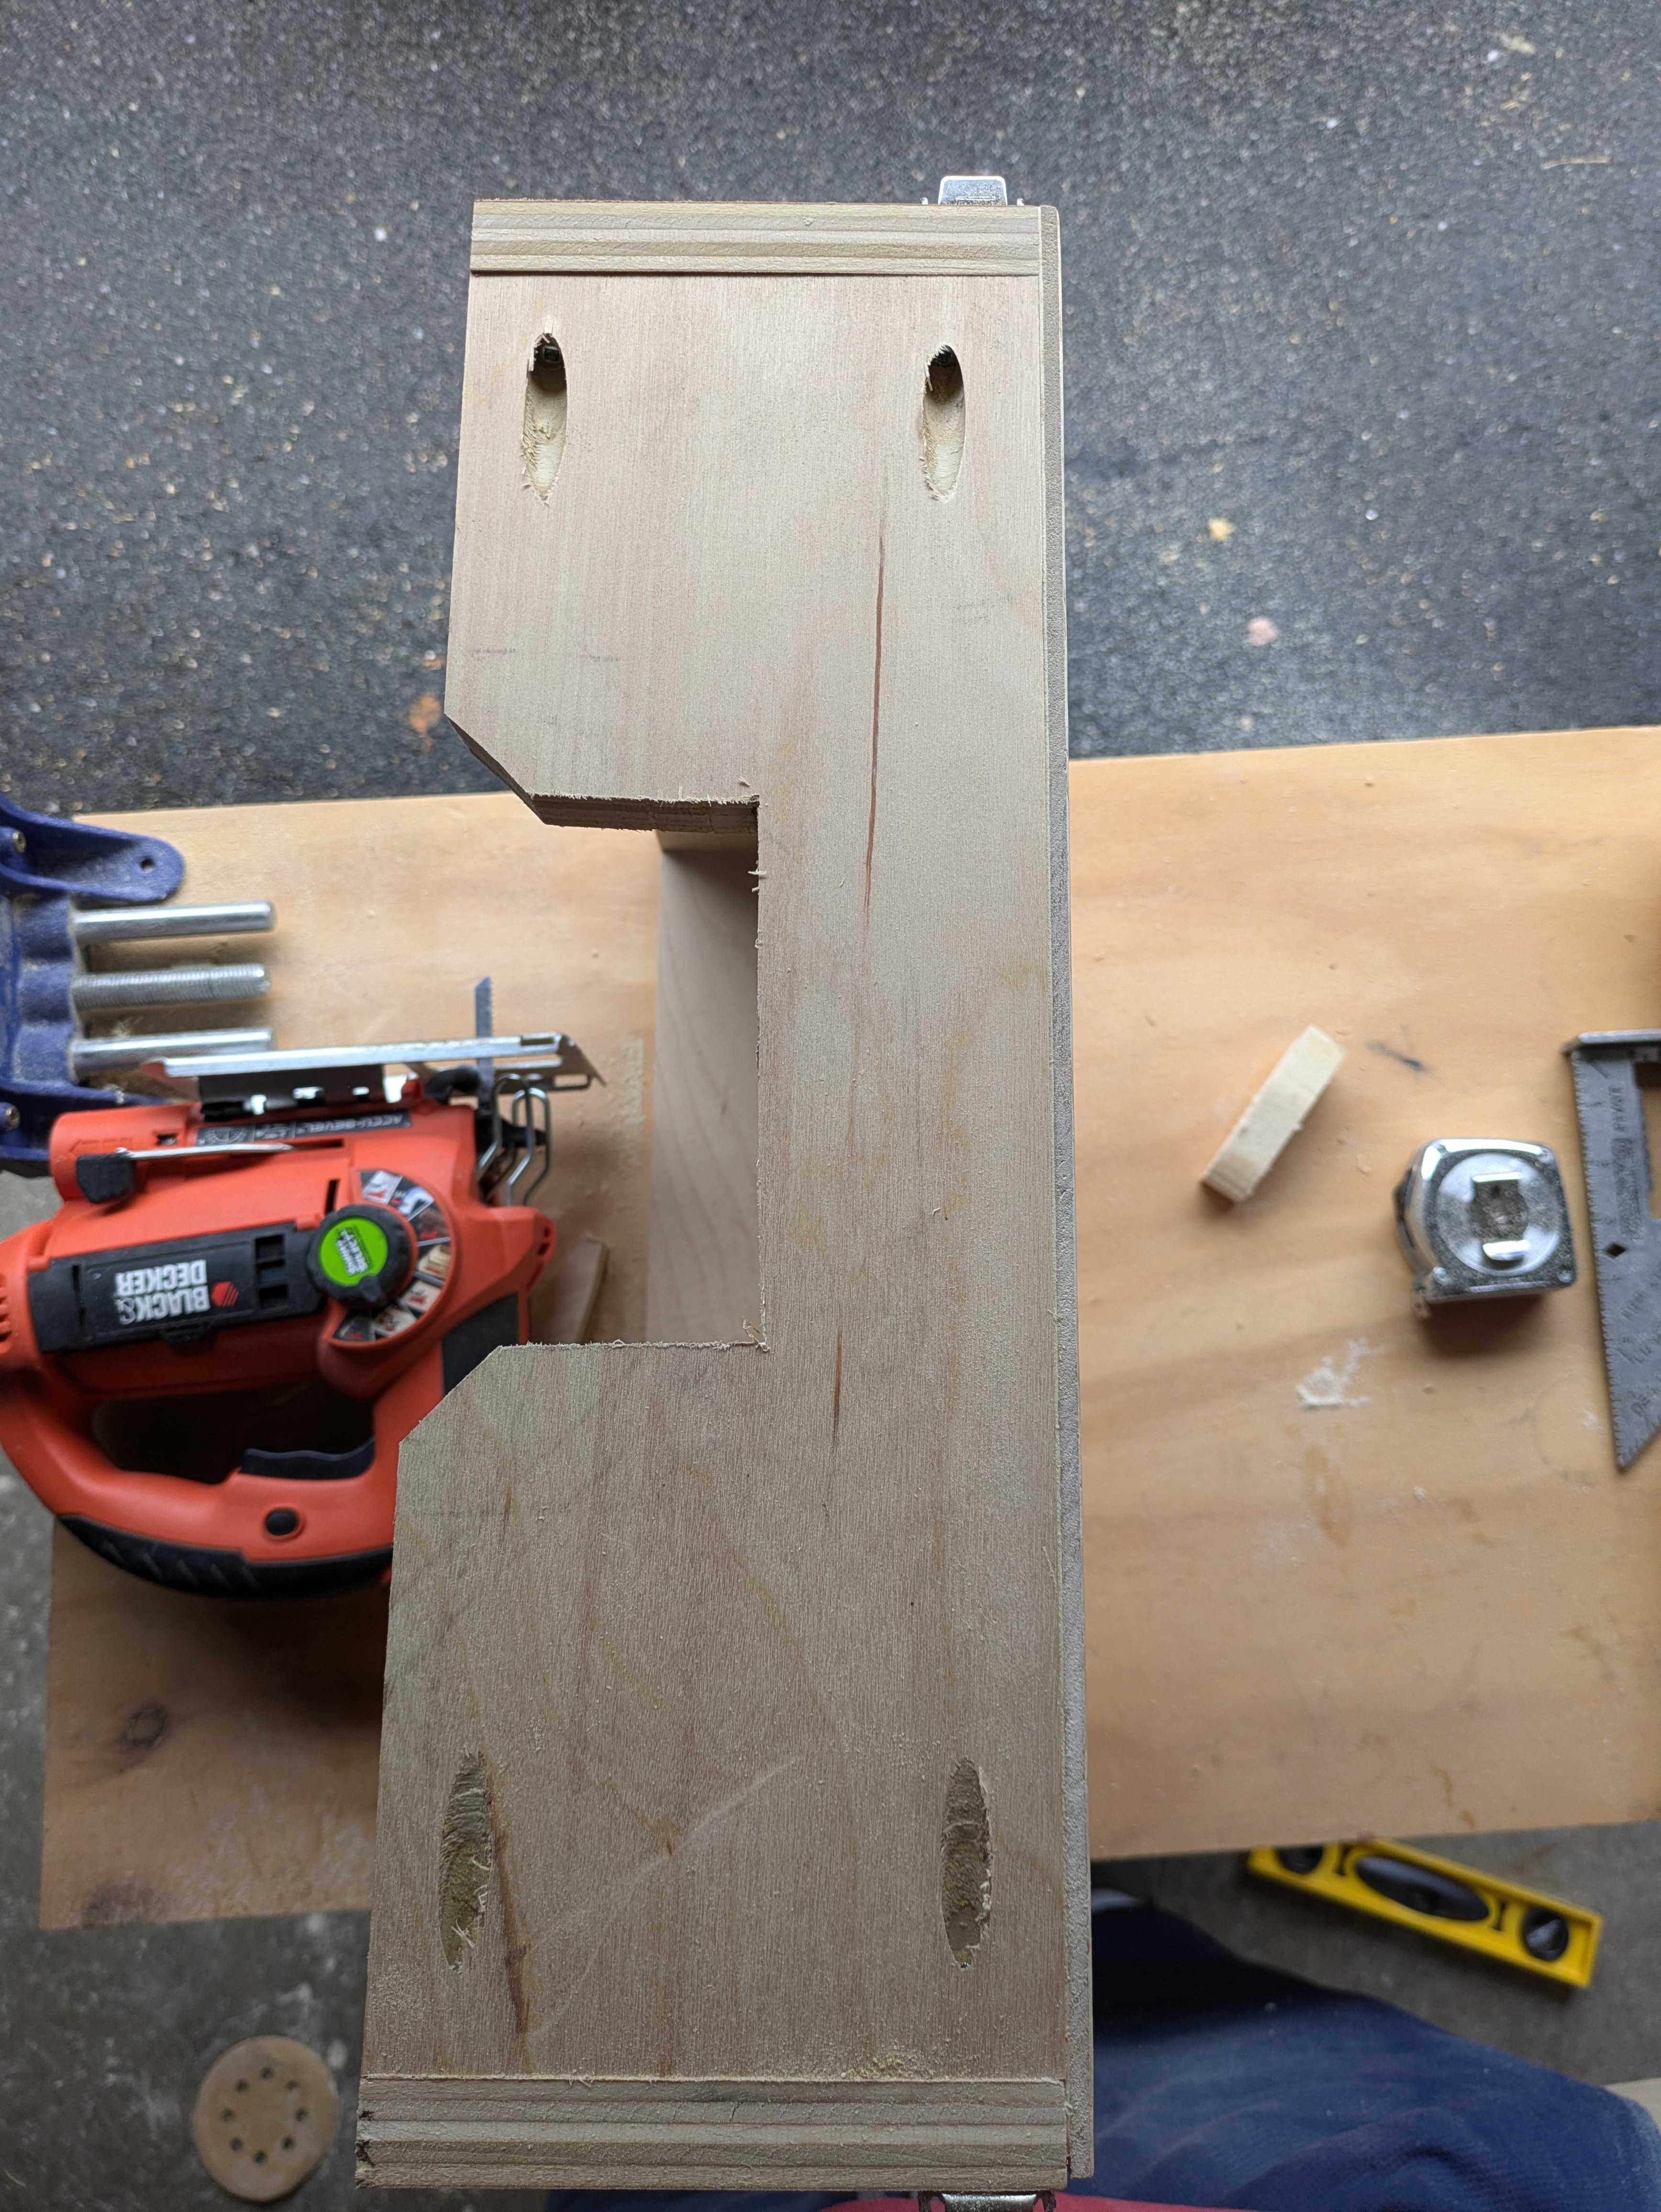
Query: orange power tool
x=253, y=1291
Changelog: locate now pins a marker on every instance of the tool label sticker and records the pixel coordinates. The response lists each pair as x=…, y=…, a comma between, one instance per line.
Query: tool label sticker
x=79, y=1301
x=147, y=1294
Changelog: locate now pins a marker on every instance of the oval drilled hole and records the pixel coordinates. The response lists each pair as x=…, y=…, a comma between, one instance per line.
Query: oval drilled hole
x=942, y=423
x=464, y=1860
x=543, y=443
x=966, y=1861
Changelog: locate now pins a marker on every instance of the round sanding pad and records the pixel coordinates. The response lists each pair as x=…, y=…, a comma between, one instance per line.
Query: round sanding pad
x=266, y=2114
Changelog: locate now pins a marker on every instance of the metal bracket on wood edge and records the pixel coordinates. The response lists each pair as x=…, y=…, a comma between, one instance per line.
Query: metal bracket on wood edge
x=1041, y=2200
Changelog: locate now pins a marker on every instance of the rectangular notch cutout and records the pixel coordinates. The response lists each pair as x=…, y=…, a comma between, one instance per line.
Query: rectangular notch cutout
x=704, y=1283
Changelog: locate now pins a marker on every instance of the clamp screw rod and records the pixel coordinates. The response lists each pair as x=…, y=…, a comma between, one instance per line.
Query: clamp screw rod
x=125, y=925
x=169, y=986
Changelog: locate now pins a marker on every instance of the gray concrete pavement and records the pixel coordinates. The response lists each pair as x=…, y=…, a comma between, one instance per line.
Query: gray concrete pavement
x=1361, y=322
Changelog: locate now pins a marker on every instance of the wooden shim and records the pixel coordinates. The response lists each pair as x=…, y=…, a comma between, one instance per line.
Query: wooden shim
x=693, y=1648
x=1278, y=1109
x=595, y=238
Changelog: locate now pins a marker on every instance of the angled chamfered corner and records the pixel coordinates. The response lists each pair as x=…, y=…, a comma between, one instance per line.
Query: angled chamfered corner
x=732, y=1826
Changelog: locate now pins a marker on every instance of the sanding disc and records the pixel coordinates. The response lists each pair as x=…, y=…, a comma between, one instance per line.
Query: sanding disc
x=266, y=2114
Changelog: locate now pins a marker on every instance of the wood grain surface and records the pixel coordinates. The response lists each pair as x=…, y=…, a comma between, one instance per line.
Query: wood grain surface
x=710, y=1670
x=208, y=1758
x=708, y=600
x=1349, y=1572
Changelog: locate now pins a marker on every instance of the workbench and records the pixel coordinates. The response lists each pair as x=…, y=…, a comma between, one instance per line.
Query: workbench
x=1348, y=1571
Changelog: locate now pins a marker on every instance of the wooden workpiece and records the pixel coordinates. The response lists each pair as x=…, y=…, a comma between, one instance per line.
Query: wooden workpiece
x=732, y=1828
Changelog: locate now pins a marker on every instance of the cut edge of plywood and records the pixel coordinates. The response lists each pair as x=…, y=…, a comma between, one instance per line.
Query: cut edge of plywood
x=701, y=818
x=538, y=2133
x=1075, y=1782
x=690, y=238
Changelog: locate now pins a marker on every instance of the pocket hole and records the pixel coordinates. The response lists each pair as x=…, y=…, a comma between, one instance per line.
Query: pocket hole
x=464, y=1861
x=942, y=423
x=543, y=443
x=966, y=1861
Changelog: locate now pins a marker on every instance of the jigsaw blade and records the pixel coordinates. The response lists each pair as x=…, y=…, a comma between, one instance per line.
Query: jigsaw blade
x=1626, y=1236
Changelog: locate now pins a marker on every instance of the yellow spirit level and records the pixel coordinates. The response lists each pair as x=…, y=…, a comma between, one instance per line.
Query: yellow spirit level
x=1440, y=1898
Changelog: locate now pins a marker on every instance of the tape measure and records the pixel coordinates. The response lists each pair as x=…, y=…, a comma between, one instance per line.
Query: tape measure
x=1440, y=1898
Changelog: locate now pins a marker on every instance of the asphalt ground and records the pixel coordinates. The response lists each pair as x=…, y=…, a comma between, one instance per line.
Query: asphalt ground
x=1360, y=331
x=1360, y=325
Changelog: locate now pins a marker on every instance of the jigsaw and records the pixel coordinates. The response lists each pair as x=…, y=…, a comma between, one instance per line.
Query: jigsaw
x=258, y=1284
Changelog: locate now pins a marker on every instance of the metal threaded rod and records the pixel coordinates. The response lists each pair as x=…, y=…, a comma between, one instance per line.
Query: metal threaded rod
x=169, y=986
x=97, y=1055
x=126, y=925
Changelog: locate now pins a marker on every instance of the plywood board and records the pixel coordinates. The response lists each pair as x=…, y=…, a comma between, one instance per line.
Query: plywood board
x=720, y=1676
x=208, y=1758
x=1350, y=1571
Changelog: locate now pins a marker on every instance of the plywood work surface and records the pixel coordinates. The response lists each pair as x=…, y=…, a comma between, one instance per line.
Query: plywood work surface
x=207, y=1757
x=1349, y=1572
x=1287, y=1641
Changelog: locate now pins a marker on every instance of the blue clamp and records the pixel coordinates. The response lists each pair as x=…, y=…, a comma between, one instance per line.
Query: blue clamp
x=49, y=867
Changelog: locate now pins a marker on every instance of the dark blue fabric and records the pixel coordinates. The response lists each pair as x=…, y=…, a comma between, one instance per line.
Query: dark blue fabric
x=693, y=2200
x=1222, y=2083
